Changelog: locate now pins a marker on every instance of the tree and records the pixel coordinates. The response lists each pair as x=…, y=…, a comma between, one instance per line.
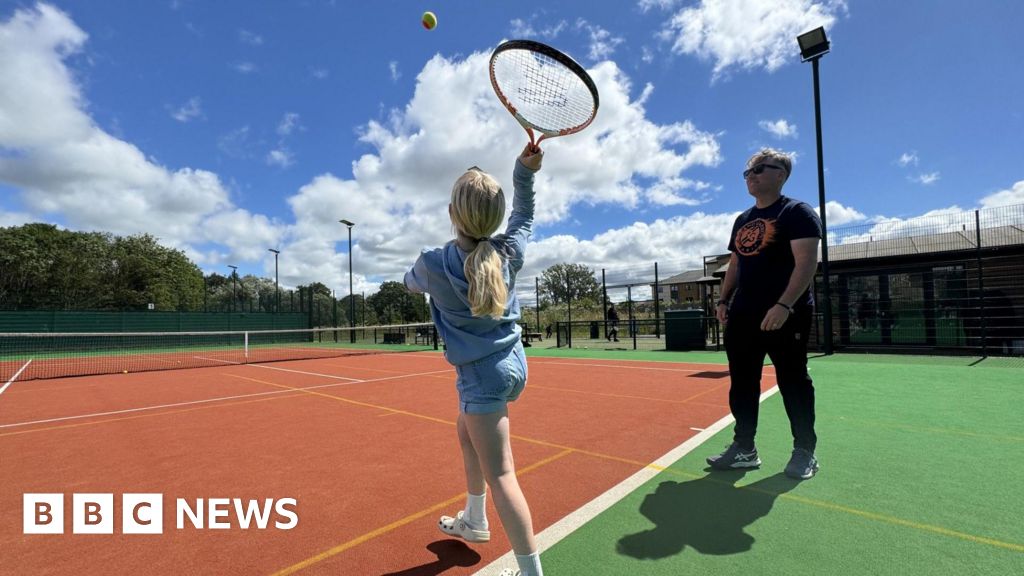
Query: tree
x=47, y=268
x=565, y=282
x=393, y=303
x=144, y=272
x=26, y=259
x=361, y=308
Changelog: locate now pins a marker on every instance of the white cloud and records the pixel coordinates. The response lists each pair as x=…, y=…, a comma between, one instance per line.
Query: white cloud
x=678, y=244
x=251, y=38
x=190, y=110
x=67, y=168
x=907, y=159
x=746, y=34
x=395, y=73
x=950, y=219
x=837, y=215
x=417, y=153
x=319, y=73
x=8, y=219
x=245, y=67
x=646, y=5
x=1013, y=195
x=280, y=157
x=524, y=29
x=238, y=143
x=288, y=124
x=779, y=128
x=602, y=43
x=926, y=179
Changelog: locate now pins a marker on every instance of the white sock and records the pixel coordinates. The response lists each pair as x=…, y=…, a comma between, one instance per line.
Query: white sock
x=476, y=510
x=529, y=565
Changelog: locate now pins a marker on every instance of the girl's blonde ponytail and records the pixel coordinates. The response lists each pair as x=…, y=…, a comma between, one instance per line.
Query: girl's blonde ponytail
x=478, y=207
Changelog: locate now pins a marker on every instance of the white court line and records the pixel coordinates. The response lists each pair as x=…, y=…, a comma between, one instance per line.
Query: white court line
x=566, y=526
x=15, y=377
x=217, y=360
x=208, y=400
x=308, y=373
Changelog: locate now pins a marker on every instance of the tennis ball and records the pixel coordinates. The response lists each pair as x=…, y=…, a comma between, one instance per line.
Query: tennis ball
x=429, y=20
x=125, y=371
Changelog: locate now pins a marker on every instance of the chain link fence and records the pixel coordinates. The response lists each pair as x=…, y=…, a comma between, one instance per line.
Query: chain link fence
x=949, y=283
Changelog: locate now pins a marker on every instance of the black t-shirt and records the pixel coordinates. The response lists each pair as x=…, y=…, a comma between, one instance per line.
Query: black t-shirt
x=760, y=239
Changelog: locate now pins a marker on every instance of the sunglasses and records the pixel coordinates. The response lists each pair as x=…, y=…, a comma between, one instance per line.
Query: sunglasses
x=759, y=168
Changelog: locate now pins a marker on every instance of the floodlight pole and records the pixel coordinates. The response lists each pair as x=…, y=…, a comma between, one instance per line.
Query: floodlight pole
x=351, y=294
x=234, y=285
x=277, y=288
x=814, y=45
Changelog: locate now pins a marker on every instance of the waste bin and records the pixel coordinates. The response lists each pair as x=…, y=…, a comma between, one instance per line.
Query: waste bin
x=595, y=330
x=684, y=330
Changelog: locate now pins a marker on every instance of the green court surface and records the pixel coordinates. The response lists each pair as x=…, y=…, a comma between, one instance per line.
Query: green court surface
x=921, y=467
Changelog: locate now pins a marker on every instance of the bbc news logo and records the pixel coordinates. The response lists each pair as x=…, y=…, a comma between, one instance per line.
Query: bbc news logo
x=144, y=513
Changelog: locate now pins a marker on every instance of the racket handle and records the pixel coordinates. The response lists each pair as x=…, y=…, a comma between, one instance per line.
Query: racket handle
x=535, y=146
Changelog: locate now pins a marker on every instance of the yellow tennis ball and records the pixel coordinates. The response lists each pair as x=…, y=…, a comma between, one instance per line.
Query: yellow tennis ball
x=429, y=20
x=125, y=371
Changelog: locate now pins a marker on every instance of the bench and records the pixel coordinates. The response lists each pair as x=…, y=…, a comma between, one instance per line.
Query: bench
x=531, y=336
x=394, y=338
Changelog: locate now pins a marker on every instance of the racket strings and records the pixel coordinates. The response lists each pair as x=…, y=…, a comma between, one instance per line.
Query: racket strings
x=544, y=92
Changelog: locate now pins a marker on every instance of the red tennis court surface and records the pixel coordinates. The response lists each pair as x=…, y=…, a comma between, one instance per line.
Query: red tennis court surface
x=366, y=445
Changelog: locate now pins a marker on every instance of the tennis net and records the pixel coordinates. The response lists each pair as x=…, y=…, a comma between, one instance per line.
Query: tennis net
x=28, y=356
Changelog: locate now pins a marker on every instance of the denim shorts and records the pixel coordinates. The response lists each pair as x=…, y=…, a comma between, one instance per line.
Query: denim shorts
x=486, y=385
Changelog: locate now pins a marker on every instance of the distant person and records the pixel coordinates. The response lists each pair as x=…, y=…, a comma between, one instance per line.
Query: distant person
x=613, y=322
x=471, y=282
x=766, y=308
x=547, y=331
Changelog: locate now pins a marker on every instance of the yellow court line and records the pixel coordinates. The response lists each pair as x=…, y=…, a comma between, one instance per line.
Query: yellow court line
x=908, y=523
x=853, y=511
x=347, y=401
x=397, y=524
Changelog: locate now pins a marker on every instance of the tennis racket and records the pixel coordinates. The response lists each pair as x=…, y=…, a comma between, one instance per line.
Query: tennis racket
x=545, y=90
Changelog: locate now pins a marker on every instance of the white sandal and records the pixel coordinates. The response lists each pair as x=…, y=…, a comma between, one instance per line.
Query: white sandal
x=460, y=529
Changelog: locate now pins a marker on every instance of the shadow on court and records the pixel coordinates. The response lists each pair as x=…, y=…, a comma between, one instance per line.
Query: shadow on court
x=708, y=514
x=450, y=553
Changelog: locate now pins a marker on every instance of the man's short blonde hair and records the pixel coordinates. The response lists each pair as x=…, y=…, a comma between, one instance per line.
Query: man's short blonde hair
x=773, y=156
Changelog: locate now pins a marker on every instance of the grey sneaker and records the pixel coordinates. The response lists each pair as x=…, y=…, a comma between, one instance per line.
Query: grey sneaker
x=802, y=464
x=735, y=457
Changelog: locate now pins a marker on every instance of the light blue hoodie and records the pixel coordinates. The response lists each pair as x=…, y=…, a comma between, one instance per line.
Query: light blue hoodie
x=439, y=272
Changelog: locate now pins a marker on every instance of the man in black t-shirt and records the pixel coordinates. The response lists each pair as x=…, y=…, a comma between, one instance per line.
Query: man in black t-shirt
x=613, y=319
x=766, y=308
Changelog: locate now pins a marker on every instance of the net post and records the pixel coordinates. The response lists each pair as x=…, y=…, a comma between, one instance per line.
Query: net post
x=246, y=345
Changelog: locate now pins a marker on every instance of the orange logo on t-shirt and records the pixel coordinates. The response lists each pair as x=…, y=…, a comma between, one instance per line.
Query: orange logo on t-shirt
x=755, y=235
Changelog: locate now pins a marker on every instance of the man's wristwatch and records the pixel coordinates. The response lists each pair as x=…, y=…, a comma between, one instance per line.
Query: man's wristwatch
x=720, y=302
x=786, y=306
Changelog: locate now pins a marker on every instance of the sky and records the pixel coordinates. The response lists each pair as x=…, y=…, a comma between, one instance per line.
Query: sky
x=227, y=128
